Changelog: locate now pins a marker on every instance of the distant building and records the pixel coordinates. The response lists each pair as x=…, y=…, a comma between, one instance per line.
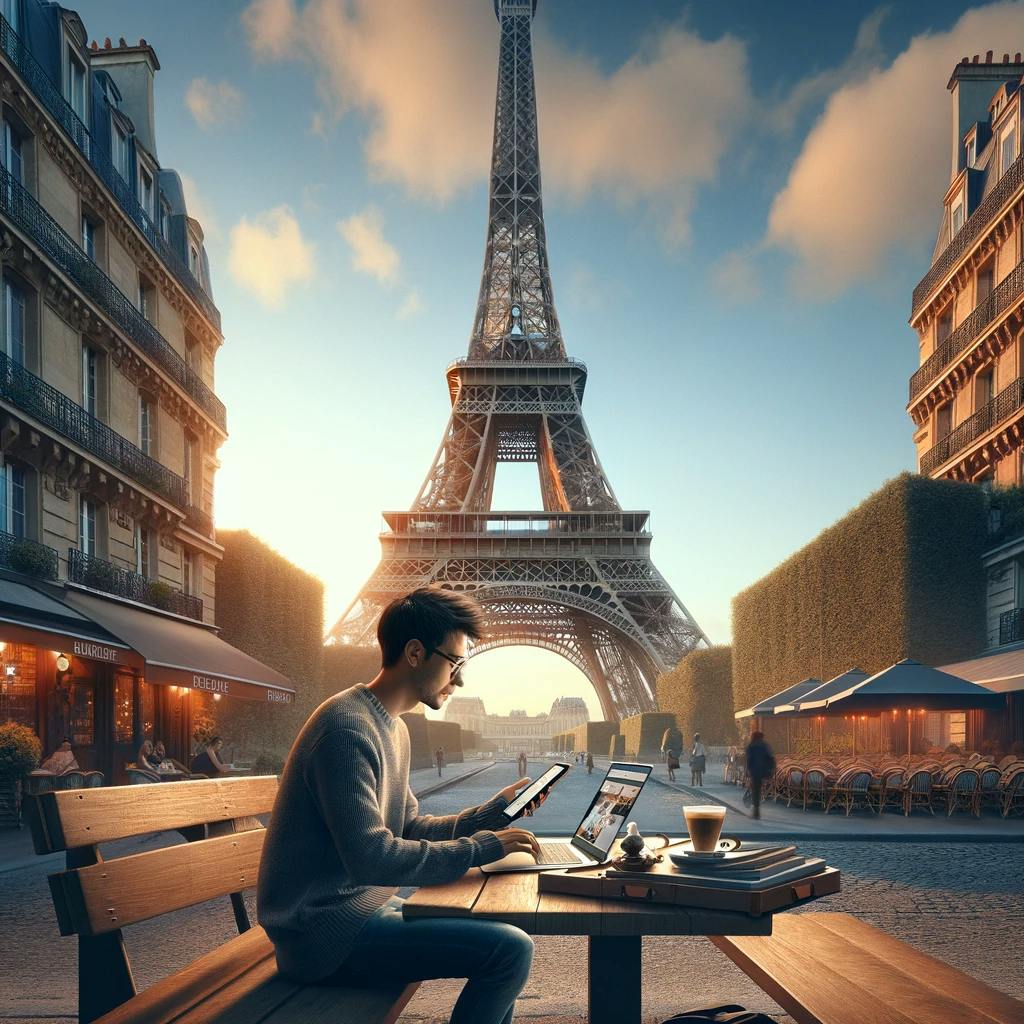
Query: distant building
x=109, y=424
x=967, y=396
x=508, y=734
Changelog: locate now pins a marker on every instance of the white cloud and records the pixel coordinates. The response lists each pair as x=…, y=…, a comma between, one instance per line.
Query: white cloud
x=199, y=209
x=871, y=175
x=735, y=276
x=371, y=253
x=412, y=305
x=268, y=255
x=424, y=73
x=212, y=103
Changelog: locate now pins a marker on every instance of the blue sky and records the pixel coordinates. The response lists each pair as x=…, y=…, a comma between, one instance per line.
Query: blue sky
x=739, y=201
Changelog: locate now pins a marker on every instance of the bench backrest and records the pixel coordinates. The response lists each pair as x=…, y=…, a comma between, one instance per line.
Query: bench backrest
x=95, y=895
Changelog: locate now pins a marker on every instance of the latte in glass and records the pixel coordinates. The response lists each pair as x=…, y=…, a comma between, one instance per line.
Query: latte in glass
x=704, y=823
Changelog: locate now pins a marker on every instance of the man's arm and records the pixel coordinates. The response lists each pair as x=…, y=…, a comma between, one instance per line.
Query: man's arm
x=452, y=826
x=341, y=773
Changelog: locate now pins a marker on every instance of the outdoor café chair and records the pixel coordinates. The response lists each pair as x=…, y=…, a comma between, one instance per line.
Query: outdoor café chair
x=1006, y=762
x=917, y=791
x=973, y=760
x=793, y=786
x=73, y=779
x=1012, y=793
x=852, y=789
x=140, y=777
x=988, y=788
x=890, y=789
x=962, y=791
x=815, y=787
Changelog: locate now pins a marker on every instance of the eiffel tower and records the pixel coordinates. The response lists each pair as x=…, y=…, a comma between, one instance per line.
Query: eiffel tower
x=575, y=578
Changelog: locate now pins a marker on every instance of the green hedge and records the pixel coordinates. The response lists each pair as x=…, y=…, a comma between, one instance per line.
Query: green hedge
x=421, y=752
x=271, y=609
x=617, y=747
x=642, y=733
x=447, y=735
x=698, y=691
x=345, y=665
x=594, y=736
x=899, y=576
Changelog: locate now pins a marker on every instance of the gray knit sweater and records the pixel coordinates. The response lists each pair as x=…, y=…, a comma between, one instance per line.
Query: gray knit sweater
x=345, y=833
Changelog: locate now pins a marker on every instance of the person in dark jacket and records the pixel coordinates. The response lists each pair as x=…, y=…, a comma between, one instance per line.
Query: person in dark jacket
x=760, y=766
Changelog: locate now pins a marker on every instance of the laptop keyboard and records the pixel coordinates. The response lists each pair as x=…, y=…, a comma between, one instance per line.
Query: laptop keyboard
x=557, y=853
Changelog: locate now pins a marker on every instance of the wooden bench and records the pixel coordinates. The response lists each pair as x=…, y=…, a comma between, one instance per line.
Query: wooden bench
x=836, y=969
x=94, y=898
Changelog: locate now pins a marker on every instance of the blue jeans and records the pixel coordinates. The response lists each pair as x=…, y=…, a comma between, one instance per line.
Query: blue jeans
x=494, y=957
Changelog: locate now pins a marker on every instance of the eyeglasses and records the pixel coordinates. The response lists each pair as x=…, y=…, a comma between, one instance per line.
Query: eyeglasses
x=457, y=664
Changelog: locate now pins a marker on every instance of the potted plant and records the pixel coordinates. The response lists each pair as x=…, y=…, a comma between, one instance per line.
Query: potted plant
x=162, y=595
x=33, y=560
x=20, y=751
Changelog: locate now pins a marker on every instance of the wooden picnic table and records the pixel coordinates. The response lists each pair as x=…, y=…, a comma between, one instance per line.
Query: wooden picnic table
x=614, y=929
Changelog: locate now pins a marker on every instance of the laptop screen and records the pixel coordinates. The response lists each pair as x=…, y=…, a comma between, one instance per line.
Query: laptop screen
x=607, y=812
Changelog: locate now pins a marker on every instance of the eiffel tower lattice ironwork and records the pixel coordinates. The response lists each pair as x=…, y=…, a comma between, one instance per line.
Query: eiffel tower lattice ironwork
x=576, y=577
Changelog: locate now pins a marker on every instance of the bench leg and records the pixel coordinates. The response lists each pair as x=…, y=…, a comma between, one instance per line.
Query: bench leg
x=104, y=975
x=614, y=990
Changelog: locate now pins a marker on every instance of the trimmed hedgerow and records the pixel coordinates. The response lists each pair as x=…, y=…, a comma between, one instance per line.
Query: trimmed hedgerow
x=447, y=735
x=594, y=736
x=642, y=733
x=271, y=609
x=899, y=576
x=698, y=691
x=344, y=665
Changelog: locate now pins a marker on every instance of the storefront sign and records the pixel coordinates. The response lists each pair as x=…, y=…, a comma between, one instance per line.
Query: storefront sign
x=98, y=652
x=211, y=683
x=279, y=697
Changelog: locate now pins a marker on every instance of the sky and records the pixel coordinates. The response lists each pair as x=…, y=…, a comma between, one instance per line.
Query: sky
x=739, y=199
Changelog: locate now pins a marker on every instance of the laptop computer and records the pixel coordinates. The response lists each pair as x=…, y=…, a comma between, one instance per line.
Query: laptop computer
x=600, y=824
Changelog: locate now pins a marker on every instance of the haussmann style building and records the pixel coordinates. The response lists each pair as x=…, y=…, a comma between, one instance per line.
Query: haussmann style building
x=516, y=731
x=109, y=420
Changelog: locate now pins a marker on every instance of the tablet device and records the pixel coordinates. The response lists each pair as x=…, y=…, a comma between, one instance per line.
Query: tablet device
x=534, y=790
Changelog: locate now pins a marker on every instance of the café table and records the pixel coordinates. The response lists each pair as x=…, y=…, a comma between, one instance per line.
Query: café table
x=614, y=929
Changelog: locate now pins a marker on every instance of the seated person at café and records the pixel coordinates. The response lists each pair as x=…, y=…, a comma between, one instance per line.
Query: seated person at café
x=61, y=760
x=163, y=762
x=207, y=762
x=146, y=759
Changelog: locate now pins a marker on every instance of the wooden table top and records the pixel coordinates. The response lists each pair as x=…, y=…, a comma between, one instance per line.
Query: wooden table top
x=514, y=899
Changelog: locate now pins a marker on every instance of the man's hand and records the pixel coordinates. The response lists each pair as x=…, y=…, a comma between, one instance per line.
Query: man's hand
x=518, y=840
x=510, y=792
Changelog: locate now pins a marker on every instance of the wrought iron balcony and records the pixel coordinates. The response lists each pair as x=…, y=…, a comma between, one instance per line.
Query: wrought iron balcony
x=976, y=225
x=20, y=554
x=985, y=313
x=1007, y=402
x=199, y=520
x=62, y=112
x=18, y=204
x=1011, y=626
x=114, y=579
x=55, y=410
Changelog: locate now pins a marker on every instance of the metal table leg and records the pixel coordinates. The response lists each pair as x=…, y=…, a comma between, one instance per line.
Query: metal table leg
x=614, y=990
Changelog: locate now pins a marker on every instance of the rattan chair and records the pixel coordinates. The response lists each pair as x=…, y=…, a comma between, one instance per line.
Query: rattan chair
x=988, y=788
x=93, y=780
x=141, y=777
x=917, y=791
x=851, y=789
x=962, y=791
x=73, y=779
x=1012, y=792
x=815, y=787
x=793, y=786
x=890, y=789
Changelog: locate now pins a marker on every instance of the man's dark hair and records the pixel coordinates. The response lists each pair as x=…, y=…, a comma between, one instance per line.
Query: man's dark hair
x=428, y=615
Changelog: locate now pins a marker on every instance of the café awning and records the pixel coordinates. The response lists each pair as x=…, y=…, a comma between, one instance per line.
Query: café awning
x=770, y=705
x=909, y=684
x=180, y=653
x=32, y=616
x=814, y=701
x=1001, y=673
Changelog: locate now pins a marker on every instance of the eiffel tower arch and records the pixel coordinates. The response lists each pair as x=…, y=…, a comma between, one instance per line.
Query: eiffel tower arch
x=576, y=576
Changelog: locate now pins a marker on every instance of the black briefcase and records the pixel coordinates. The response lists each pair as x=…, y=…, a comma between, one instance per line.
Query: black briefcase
x=728, y=1014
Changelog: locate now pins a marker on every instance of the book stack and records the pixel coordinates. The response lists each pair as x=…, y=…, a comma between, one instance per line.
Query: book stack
x=753, y=867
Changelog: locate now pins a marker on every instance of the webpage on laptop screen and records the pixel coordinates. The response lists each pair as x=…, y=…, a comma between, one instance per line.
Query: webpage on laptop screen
x=607, y=811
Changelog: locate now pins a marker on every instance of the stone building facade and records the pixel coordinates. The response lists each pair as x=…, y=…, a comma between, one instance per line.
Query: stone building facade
x=508, y=734
x=967, y=397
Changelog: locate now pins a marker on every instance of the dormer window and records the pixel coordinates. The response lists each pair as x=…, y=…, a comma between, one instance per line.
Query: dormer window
x=956, y=217
x=9, y=9
x=119, y=150
x=1007, y=148
x=972, y=150
x=146, y=190
x=165, y=220
x=74, y=81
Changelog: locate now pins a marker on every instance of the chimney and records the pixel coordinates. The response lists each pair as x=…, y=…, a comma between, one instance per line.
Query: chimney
x=132, y=68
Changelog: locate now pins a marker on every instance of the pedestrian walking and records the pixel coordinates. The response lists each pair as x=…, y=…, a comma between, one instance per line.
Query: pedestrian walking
x=590, y=763
x=672, y=762
x=439, y=760
x=760, y=766
x=698, y=760
x=522, y=764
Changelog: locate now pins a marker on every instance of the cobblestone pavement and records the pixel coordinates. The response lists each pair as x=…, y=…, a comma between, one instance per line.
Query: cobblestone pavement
x=960, y=902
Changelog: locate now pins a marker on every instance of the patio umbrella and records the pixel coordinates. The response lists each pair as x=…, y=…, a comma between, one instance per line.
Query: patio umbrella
x=770, y=705
x=909, y=684
x=813, y=701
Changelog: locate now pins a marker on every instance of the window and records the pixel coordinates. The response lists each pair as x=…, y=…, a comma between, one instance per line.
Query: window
x=14, y=321
x=13, y=157
x=187, y=571
x=189, y=454
x=119, y=150
x=193, y=260
x=983, y=282
x=1007, y=149
x=146, y=190
x=972, y=150
x=956, y=218
x=943, y=421
x=74, y=82
x=12, y=499
x=984, y=388
x=944, y=325
x=89, y=237
x=145, y=425
x=9, y=9
x=89, y=380
x=142, y=550
x=147, y=298
x=86, y=526
x=165, y=221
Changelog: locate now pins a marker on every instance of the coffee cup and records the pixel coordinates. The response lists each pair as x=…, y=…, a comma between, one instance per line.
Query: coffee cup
x=704, y=823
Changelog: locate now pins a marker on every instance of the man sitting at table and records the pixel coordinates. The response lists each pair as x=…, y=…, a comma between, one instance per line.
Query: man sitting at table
x=61, y=760
x=345, y=832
